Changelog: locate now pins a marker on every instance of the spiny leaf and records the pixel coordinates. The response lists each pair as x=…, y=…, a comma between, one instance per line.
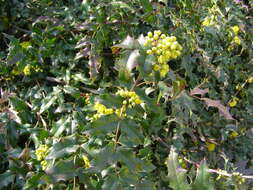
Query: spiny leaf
x=177, y=177
x=128, y=43
x=202, y=180
x=6, y=178
x=62, y=171
x=60, y=126
x=217, y=104
x=132, y=61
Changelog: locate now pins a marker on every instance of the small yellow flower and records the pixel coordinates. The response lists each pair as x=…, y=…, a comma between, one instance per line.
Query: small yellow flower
x=210, y=146
x=27, y=70
x=86, y=161
x=44, y=164
x=150, y=34
x=233, y=102
x=250, y=80
x=156, y=67
x=236, y=40
x=235, y=29
x=101, y=110
x=233, y=134
x=41, y=152
x=149, y=52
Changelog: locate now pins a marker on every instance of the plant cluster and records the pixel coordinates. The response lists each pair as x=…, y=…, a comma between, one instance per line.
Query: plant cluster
x=164, y=48
x=130, y=94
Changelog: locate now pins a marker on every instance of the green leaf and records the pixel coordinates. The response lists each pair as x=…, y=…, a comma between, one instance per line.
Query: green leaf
x=49, y=100
x=146, y=5
x=6, y=178
x=62, y=171
x=34, y=181
x=176, y=175
x=203, y=180
x=102, y=126
x=146, y=184
x=60, y=126
x=18, y=104
x=72, y=91
x=132, y=61
x=111, y=183
x=121, y=5
x=63, y=148
x=131, y=132
x=128, y=43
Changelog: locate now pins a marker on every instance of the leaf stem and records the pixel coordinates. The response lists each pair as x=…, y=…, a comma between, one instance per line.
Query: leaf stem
x=117, y=133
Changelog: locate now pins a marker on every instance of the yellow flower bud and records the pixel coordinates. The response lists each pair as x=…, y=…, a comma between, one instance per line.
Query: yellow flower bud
x=86, y=161
x=250, y=80
x=210, y=146
x=235, y=29
x=150, y=34
x=236, y=40
x=233, y=102
x=156, y=37
x=233, y=134
x=149, y=52
x=156, y=67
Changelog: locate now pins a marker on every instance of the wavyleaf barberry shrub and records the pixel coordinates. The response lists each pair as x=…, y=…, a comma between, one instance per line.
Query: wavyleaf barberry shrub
x=125, y=95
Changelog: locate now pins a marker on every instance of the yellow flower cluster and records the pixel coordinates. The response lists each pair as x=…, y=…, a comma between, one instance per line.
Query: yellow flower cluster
x=29, y=68
x=86, y=161
x=101, y=110
x=131, y=98
x=236, y=40
x=41, y=154
x=164, y=48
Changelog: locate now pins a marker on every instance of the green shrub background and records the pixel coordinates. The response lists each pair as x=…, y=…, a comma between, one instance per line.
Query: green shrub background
x=58, y=59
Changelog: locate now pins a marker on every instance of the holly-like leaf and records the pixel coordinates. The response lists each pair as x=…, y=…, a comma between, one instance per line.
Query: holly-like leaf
x=49, y=100
x=63, y=148
x=202, y=180
x=6, y=178
x=177, y=177
x=62, y=171
x=217, y=104
x=128, y=43
x=60, y=126
x=132, y=61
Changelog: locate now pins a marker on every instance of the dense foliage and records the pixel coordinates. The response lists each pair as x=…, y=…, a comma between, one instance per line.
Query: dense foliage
x=131, y=94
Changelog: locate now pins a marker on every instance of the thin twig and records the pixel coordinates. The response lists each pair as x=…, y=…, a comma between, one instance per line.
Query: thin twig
x=118, y=129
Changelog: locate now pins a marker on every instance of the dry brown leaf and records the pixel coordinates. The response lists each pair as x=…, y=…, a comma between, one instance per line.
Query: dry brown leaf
x=198, y=91
x=217, y=104
x=94, y=64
